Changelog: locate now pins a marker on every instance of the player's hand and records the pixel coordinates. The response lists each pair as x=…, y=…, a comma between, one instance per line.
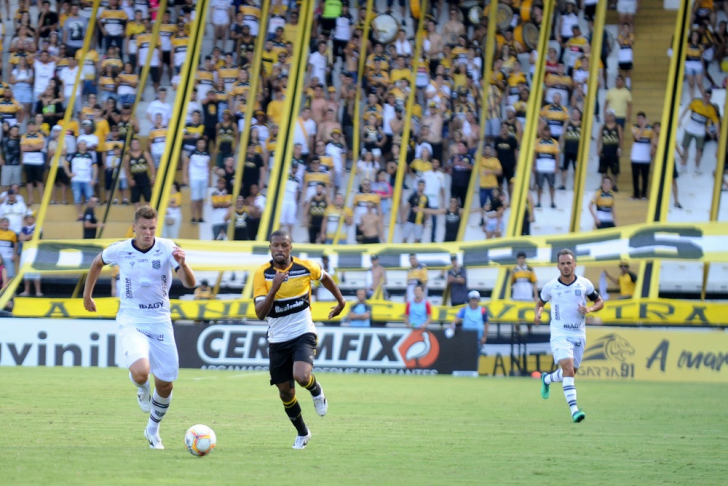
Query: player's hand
x=583, y=310
x=537, y=320
x=179, y=255
x=335, y=311
x=279, y=278
x=89, y=304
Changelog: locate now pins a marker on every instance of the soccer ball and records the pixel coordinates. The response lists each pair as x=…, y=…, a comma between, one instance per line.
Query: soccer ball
x=200, y=440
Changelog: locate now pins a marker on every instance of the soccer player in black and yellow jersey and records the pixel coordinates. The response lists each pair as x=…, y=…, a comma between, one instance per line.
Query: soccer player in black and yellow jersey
x=282, y=293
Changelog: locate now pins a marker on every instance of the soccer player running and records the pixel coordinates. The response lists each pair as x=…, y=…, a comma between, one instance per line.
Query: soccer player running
x=282, y=293
x=568, y=294
x=145, y=327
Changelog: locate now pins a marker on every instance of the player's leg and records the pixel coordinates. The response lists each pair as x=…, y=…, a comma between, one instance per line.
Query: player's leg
x=135, y=349
x=281, y=375
x=303, y=355
x=164, y=363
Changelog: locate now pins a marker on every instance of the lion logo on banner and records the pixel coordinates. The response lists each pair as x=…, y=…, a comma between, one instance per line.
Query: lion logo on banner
x=610, y=347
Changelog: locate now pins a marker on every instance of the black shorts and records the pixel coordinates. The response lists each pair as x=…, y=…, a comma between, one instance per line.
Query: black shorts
x=590, y=11
x=155, y=73
x=62, y=177
x=605, y=225
x=625, y=66
x=370, y=241
x=569, y=159
x=283, y=355
x=140, y=190
x=609, y=163
x=167, y=58
x=509, y=172
x=34, y=173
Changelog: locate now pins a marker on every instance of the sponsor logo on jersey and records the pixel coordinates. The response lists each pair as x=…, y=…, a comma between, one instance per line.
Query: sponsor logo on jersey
x=577, y=292
x=156, y=264
x=154, y=305
x=289, y=307
x=127, y=287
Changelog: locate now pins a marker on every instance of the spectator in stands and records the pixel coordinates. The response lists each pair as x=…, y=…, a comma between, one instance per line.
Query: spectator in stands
x=416, y=275
x=569, y=143
x=254, y=171
x=675, y=174
x=173, y=216
x=360, y=313
x=413, y=214
x=460, y=167
x=44, y=69
x=619, y=99
x=8, y=246
x=602, y=205
x=494, y=209
x=90, y=224
x=31, y=146
x=641, y=156
x=336, y=216
x=457, y=281
x=74, y=31
x=313, y=213
x=83, y=173
x=239, y=213
x=140, y=172
x=376, y=278
x=609, y=145
x=160, y=105
x=490, y=170
x=196, y=173
x=625, y=39
x=10, y=156
x=371, y=225
x=701, y=112
x=203, y=292
x=418, y=310
x=14, y=209
x=523, y=280
x=22, y=80
x=221, y=201
x=626, y=280
x=546, y=153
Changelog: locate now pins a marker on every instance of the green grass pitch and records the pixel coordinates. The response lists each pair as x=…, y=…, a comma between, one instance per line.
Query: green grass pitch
x=83, y=426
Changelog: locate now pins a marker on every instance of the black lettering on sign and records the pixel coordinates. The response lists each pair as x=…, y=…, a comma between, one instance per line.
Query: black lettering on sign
x=207, y=343
x=57, y=309
x=236, y=344
x=205, y=312
x=660, y=353
x=175, y=309
x=660, y=310
x=42, y=349
x=348, y=343
x=365, y=346
x=242, y=309
x=325, y=348
x=111, y=351
x=697, y=313
x=647, y=243
x=387, y=350
x=258, y=345
x=19, y=357
x=62, y=350
x=501, y=258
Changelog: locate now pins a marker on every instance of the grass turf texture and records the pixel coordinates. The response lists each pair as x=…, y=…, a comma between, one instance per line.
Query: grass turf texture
x=83, y=426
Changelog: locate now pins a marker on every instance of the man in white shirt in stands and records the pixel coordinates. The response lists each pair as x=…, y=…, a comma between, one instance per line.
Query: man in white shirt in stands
x=160, y=106
x=43, y=69
x=14, y=210
x=305, y=131
x=318, y=63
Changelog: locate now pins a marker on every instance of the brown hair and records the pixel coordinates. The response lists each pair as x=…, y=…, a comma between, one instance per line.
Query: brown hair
x=145, y=212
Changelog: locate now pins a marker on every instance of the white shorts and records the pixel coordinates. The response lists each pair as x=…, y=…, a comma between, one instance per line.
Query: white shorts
x=628, y=7
x=693, y=67
x=413, y=229
x=563, y=348
x=198, y=189
x=158, y=347
x=220, y=17
x=288, y=212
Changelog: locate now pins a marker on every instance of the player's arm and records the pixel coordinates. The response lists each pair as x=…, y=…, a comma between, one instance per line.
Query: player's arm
x=539, y=309
x=331, y=286
x=184, y=272
x=596, y=306
x=93, y=275
x=264, y=305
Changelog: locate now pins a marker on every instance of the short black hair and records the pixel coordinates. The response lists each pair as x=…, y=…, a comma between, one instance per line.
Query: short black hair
x=521, y=254
x=280, y=233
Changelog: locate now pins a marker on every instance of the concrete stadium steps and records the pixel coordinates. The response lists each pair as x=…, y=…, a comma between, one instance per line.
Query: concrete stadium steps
x=654, y=27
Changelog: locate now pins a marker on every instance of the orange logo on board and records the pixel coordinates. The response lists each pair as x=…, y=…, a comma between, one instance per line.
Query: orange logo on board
x=420, y=349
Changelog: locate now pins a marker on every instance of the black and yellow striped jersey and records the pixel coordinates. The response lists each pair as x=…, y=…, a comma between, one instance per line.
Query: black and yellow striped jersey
x=312, y=178
x=290, y=316
x=604, y=202
x=610, y=139
x=694, y=52
x=701, y=112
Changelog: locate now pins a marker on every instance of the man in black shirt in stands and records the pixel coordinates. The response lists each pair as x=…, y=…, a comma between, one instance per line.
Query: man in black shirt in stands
x=90, y=223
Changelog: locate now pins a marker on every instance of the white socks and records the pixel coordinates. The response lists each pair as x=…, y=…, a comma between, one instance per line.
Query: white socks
x=556, y=376
x=570, y=394
x=159, y=410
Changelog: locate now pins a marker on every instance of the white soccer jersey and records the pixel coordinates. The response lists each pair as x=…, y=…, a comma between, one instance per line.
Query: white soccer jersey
x=566, y=321
x=145, y=278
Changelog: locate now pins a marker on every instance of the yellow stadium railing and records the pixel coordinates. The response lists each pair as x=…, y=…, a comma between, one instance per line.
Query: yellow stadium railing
x=356, y=138
x=402, y=163
x=244, y=138
x=587, y=120
x=528, y=139
x=12, y=286
x=664, y=159
x=277, y=180
x=484, y=95
x=130, y=133
x=187, y=83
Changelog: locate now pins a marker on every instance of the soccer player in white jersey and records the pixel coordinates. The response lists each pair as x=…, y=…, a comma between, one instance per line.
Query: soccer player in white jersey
x=568, y=294
x=145, y=328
